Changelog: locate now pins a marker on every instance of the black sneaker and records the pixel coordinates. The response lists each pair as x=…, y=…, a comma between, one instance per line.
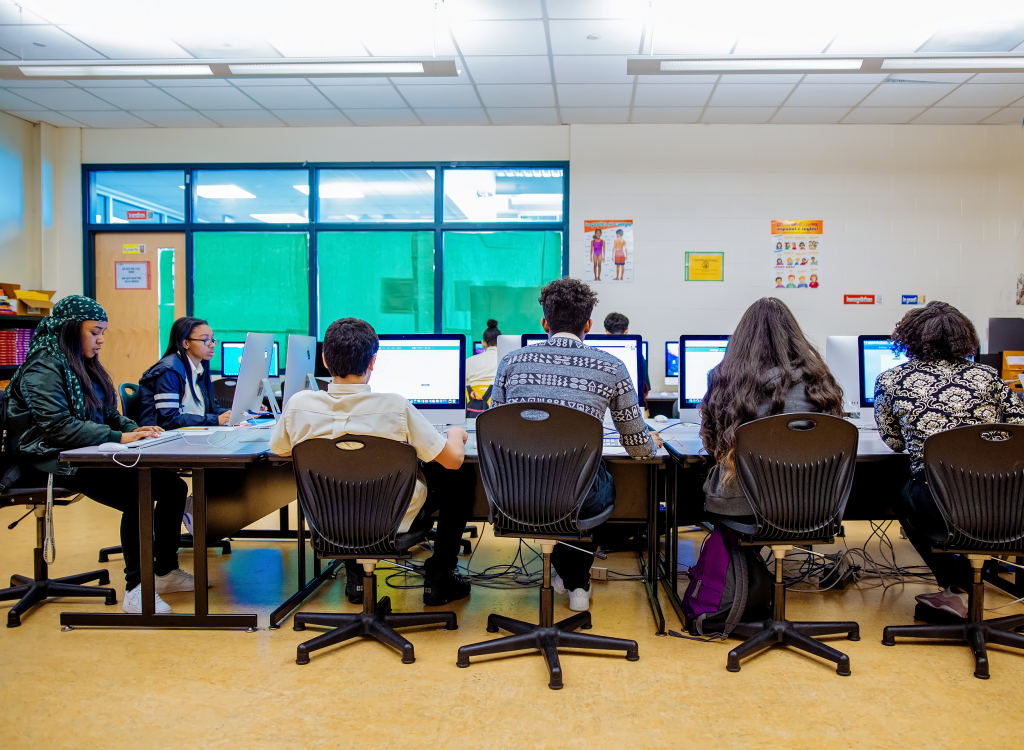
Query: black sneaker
x=354, y=586
x=441, y=588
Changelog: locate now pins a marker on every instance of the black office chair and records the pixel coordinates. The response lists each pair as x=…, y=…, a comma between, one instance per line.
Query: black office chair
x=976, y=476
x=796, y=470
x=224, y=391
x=354, y=492
x=33, y=590
x=538, y=463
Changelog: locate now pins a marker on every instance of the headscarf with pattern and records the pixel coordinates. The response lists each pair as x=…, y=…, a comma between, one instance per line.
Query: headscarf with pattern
x=47, y=339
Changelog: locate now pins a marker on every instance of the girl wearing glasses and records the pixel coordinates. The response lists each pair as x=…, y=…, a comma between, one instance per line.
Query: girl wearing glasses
x=176, y=391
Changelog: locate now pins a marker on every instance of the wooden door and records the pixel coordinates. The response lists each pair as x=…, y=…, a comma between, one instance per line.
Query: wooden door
x=138, y=276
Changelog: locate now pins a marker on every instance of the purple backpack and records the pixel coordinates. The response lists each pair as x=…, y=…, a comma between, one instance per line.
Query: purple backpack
x=728, y=584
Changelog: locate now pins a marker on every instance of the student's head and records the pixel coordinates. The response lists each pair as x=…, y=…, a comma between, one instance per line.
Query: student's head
x=767, y=353
x=616, y=323
x=936, y=331
x=350, y=346
x=79, y=325
x=567, y=305
x=491, y=334
x=618, y=232
x=191, y=337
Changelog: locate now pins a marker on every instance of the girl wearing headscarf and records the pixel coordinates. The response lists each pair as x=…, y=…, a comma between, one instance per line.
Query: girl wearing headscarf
x=62, y=398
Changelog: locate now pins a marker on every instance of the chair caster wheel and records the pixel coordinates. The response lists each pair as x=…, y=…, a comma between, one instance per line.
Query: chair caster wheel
x=66, y=629
x=250, y=630
x=491, y=629
x=273, y=627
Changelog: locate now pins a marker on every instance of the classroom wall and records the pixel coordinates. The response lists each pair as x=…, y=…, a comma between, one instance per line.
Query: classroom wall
x=20, y=262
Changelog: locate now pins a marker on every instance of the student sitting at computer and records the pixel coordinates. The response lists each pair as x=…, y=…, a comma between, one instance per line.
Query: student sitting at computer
x=480, y=371
x=542, y=373
x=769, y=368
x=617, y=324
x=62, y=398
x=176, y=391
x=936, y=390
x=350, y=407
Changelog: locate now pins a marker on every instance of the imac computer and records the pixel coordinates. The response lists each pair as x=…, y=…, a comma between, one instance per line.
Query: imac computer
x=508, y=343
x=428, y=369
x=231, y=358
x=645, y=350
x=672, y=362
x=698, y=356
x=875, y=355
x=252, y=371
x=478, y=347
x=842, y=359
x=626, y=347
x=301, y=369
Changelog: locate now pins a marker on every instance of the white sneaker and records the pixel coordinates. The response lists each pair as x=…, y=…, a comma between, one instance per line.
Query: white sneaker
x=187, y=518
x=175, y=581
x=559, y=585
x=133, y=602
x=579, y=599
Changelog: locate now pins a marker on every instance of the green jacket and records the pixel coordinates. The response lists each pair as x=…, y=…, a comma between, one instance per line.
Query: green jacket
x=42, y=424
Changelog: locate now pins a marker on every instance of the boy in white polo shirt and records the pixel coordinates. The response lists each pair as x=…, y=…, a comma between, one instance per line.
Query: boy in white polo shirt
x=350, y=407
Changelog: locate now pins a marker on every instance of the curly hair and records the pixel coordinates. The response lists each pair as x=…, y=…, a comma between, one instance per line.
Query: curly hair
x=568, y=304
x=616, y=323
x=349, y=347
x=936, y=331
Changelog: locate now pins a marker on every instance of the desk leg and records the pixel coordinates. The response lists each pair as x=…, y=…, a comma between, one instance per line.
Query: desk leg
x=649, y=567
x=149, y=619
x=304, y=589
x=671, y=572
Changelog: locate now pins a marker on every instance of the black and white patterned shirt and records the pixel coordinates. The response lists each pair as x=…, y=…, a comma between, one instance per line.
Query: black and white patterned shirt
x=563, y=371
x=919, y=398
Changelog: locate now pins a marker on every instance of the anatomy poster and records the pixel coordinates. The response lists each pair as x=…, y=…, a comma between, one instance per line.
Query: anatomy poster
x=796, y=254
x=609, y=251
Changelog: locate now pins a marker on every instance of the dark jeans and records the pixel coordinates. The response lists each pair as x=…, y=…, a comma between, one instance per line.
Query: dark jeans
x=572, y=565
x=119, y=489
x=923, y=524
x=450, y=495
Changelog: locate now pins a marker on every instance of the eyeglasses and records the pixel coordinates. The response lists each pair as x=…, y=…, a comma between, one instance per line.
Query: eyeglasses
x=207, y=342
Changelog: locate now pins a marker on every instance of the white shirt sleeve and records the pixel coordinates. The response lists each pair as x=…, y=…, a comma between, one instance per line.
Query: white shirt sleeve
x=280, y=440
x=423, y=436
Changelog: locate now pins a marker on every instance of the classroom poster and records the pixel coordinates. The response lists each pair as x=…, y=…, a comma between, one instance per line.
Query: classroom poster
x=797, y=254
x=608, y=249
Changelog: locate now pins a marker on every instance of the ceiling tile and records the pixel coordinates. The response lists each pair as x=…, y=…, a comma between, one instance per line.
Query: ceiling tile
x=271, y=81
x=224, y=46
x=509, y=69
x=461, y=80
x=810, y=115
x=37, y=85
x=382, y=117
x=760, y=78
x=500, y=37
x=5, y=55
x=955, y=115
x=947, y=77
x=469, y=10
x=214, y=98
x=595, y=8
x=177, y=118
x=110, y=83
x=1001, y=37
x=65, y=99
x=737, y=114
x=882, y=115
x=595, y=115
x=287, y=97
x=517, y=95
x=673, y=37
x=114, y=119
x=984, y=95
x=880, y=39
x=166, y=83
x=594, y=95
x=674, y=95
x=844, y=77
x=620, y=37
x=453, y=116
x=1008, y=116
x=586, y=69
x=59, y=46
x=907, y=94
x=12, y=14
x=313, y=118
x=667, y=115
x=140, y=99
x=713, y=78
x=440, y=96
x=369, y=81
x=10, y=100
x=828, y=94
x=750, y=95
x=419, y=35
x=315, y=42
x=243, y=118
x=364, y=97
x=118, y=45
x=523, y=115
x=994, y=78
x=53, y=118
x=775, y=41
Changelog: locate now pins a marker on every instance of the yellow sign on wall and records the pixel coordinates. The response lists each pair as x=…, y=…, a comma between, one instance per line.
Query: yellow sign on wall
x=806, y=226
x=705, y=267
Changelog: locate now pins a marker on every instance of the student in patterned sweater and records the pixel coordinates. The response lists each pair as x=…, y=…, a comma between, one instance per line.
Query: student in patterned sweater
x=566, y=372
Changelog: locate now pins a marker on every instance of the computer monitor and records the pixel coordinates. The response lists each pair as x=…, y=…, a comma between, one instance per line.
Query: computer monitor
x=875, y=355
x=626, y=347
x=301, y=366
x=672, y=362
x=645, y=350
x=428, y=369
x=231, y=356
x=478, y=347
x=321, y=370
x=698, y=356
x=253, y=367
x=508, y=343
x=842, y=359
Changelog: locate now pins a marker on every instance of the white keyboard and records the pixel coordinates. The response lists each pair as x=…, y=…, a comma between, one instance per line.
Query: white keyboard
x=612, y=443
x=139, y=444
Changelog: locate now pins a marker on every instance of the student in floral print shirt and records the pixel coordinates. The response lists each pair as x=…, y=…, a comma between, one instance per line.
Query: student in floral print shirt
x=937, y=390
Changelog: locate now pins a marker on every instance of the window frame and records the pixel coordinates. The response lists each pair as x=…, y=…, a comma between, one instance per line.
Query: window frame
x=314, y=226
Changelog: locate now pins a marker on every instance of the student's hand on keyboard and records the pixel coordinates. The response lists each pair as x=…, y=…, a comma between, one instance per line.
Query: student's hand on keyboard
x=657, y=440
x=459, y=433
x=139, y=434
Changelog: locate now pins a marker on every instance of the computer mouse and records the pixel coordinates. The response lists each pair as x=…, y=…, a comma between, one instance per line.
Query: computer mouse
x=661, y=419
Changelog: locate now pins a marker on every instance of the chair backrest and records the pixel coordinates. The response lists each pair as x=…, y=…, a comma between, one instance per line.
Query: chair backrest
x=537, y=463
x=354, y=491
x=976, y=476
x=224, y=391
x=131, y=400
x=797, y=470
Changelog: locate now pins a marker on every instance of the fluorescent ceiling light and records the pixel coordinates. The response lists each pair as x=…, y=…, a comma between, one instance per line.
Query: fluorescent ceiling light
x=223, y=191
x=334, y=68
x=952, y=63
x=280, y=218
x=686, y=66
x=114, y=71
x=332, y=190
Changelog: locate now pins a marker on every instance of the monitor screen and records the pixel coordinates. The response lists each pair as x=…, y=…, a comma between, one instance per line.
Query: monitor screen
x=876, y=355
x=624, y=347
x=672, y=362
x=429, y=370
x=231, y=358
x=478, y=347
x=645, y=351
x=699, y=355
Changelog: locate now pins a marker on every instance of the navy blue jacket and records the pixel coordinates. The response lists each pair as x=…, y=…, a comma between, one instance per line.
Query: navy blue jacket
x=162, y=388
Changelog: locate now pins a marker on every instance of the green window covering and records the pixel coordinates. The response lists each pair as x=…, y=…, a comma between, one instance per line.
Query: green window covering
x=252, y=281
x=165, y=291
x=497, y=275
x=384, y=278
